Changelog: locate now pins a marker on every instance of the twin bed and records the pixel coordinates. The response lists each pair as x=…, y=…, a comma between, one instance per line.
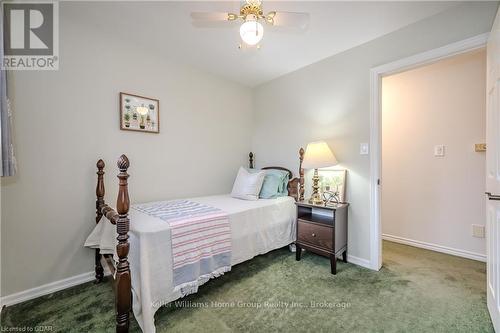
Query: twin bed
x=160, y=251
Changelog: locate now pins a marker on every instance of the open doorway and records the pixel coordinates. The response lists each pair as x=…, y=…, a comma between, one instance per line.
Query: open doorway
x=433, y=173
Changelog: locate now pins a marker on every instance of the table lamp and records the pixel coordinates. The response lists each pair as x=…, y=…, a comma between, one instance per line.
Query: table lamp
x=318, y=155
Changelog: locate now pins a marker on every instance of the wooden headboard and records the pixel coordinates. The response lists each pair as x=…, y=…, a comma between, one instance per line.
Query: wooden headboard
x=295, y=185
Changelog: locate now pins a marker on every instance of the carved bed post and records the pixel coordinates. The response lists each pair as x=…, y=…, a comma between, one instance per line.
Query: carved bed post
x=123, y=286
x=301, y=175
x=99, y=191
x=250, y=160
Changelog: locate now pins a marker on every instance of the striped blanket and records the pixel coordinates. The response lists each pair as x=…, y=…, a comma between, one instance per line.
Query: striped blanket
x=201, y=241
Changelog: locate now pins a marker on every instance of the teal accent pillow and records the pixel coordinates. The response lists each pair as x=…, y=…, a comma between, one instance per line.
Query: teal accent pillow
x=284, y=191
x=275, y=184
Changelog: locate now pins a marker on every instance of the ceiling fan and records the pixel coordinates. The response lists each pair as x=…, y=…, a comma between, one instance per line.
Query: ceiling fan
x=251, y=13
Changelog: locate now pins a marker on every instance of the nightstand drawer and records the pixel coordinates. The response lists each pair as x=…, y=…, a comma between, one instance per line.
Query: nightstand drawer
x=315, y=234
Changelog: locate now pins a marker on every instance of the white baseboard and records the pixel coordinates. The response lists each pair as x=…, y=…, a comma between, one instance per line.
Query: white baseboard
x=46, y=289
x=358, y=261
x=435, y=247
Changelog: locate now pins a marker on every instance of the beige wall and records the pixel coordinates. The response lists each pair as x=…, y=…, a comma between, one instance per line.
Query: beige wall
x=426, y=198
x=329, y=100
x=65, y=120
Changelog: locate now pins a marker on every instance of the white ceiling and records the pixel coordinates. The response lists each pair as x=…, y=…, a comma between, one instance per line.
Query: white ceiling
x=165, y=27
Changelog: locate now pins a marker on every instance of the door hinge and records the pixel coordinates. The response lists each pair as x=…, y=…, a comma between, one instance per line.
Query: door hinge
x=492, y=196
x=378, y=181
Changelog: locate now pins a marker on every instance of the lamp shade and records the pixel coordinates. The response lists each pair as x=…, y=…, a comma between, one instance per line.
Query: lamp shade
x=318, y=155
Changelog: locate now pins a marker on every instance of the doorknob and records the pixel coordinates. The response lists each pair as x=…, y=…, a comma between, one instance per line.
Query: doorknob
x=492, y=196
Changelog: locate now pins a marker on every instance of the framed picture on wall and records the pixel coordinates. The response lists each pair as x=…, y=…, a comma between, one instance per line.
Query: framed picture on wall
x=331, y=180
x=139, y=113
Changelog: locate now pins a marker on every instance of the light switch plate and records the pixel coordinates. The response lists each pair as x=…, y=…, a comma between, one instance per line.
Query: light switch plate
x=439, y=150
x=364, y=149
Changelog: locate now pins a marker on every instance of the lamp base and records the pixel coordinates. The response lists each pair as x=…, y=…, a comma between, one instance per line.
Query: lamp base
x=316, y=201
x=315, y=197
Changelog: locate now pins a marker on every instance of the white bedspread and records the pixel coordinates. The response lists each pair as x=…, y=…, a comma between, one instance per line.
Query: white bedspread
x=257, y=227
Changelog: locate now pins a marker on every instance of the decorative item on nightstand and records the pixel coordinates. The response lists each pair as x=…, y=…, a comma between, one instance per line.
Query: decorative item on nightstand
x=333, y=185
x=318, y=155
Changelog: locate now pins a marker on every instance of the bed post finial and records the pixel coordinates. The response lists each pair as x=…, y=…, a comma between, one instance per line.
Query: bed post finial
x=250, y=160
x=123, y=284
x=301, y=175
x=99, y=192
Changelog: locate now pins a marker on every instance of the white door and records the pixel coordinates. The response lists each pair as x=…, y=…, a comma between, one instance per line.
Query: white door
x=493, y=174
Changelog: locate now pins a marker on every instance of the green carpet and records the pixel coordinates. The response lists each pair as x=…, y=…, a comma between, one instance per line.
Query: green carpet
x=416, y=291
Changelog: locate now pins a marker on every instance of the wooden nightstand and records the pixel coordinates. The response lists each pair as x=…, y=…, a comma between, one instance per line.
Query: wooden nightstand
x=322, y=230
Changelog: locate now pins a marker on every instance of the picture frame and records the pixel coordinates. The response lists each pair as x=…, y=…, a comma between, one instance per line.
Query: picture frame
x=333, y=180
x=139, y=113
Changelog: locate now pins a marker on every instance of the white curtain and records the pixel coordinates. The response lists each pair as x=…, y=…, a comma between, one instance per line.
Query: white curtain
x=8, y=165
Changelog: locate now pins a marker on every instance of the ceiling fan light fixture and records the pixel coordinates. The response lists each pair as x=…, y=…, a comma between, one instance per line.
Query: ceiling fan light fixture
x=253, y=17
x=231, y=17
x=251, y=31
x=270, y=18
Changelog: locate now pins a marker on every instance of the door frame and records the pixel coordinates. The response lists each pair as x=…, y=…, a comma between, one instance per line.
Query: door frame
x=376, y=75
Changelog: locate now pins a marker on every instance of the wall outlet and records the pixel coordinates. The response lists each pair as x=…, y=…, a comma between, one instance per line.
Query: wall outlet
x=364, y=149
x=439, y=150
x=478, y=230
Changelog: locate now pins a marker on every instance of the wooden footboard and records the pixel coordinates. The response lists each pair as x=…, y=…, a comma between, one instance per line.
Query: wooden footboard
x=120, y=273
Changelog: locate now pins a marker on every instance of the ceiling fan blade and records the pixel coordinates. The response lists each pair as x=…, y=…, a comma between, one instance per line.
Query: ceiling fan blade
x=209, y=16
x=213, y=24
x=291, y=20
x=213, y=19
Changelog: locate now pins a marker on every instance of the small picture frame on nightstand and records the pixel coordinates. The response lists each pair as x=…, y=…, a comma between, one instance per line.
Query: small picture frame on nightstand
x=332, y=185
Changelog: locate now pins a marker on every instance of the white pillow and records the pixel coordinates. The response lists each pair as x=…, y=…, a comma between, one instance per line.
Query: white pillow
x=247, y=185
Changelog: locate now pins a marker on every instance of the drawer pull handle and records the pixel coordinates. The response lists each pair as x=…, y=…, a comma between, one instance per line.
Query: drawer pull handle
x=313, y=234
